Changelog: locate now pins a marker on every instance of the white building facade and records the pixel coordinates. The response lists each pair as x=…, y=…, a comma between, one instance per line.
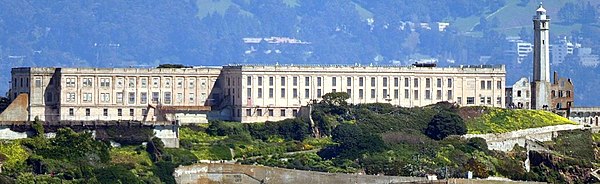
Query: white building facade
x=272, y=93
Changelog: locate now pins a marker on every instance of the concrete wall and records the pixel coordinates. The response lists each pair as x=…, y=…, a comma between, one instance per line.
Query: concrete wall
x=168, y=134
x=235, y=173
x=506, y=141
x=17, y=110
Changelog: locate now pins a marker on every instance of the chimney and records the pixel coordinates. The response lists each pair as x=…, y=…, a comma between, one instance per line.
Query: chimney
x=555, y=77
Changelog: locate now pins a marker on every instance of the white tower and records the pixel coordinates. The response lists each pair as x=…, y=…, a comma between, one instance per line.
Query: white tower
x=541, y=60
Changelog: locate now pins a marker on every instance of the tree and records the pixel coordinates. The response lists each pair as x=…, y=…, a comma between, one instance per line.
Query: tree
x=445, y=123
x=353, y=141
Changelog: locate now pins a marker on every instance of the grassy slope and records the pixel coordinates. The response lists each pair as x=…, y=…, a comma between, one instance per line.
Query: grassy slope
x=495, y=120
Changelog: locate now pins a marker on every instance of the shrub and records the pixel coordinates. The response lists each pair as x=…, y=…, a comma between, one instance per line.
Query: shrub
x=444, y=124
x=115, y=174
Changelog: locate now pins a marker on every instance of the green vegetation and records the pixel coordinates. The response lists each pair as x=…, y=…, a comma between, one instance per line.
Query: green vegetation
x=496, y=120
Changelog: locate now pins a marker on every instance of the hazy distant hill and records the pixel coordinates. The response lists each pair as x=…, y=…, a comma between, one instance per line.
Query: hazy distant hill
x=111, y=33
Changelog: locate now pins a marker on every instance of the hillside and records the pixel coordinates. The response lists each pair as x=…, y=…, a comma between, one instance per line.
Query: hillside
x=210, y=32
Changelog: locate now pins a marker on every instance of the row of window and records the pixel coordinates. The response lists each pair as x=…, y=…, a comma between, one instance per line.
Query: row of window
x=487, y=85
x=132, y=82
x=131, y=97
x=88, y=112
x=361, y=93
x=334, y=81
x=482, y=100
x=269, y=112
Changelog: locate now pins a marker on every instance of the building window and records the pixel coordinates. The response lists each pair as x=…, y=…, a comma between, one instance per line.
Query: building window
x=396, y=93
x=191, y=98
x=306, y=81
x=249, y=92
x=144, y=82
x=499, y=100
x=519, y=93
x=259, y=112
x=498, y=84
x=406, y=82
x=179, y=97
x=271, y=114
x=131, y=82
x=385, y=82
x=167, y=97
x=481, y=100
x=105, y=82
x=260, y=81
x=361, y=81
x=372, y=81
x=104, y=97
x=306, y=93
x=482, y=85
x=385, y=94
x=259, y=93
x=319, y=81
x=180, y=82
x=349, y=92
x=427, y=83
x=416, y=94
x=248, y=112
x=295, y=93
x=119, y=112
x=295, y=113
x=449, y=83
x=70, y=97
x=155, y=82
x=360, y=94
x=191, y=83
x=131, y=112
x=131, y=97
x=38, y=83
x=155, y=96
x=87, y=97
x=372, y=93
x=470, y=100
x=406, y=94
x=105, y=112
x=71, y=112
x=88, y=112
x=143, y=98
x=271, y=81
x=119, y=97
x=427, y=95
x=120, y=82
x=70, y=82
x=318, y=93
x=282, y=92
x=489, y=85
x=459, y=100
x=439, y=82
x=416, y=82
x=282, y=81
x=333, y=81
x=167, y=82
x=282, y=113
x=449, y=95
x=271, y=93
x=144, y=112
x=489, y=100
x=396, y=82
x=568, y=94
x=248, y=81
x=438, y=95
x=87, y=82
x=295, y=81
x=348, y=81
x=527, y=93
